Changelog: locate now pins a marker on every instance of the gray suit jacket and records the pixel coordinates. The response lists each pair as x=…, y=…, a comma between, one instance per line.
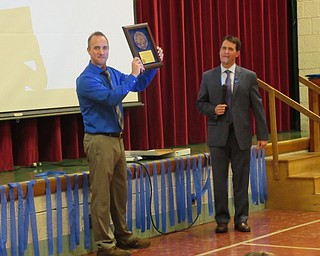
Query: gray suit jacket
x=245, y=98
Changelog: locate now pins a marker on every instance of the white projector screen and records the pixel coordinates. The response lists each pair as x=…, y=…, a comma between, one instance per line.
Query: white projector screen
x=43, y=50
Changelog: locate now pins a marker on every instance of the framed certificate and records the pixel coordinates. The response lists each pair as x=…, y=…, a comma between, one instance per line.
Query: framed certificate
x=142, y=44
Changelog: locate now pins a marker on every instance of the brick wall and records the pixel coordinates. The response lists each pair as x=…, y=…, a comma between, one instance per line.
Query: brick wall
x=308, y=46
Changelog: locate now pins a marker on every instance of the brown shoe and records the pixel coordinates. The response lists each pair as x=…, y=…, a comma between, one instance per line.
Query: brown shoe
x=242, y=227
x=113, y=251
x=222, y=228
x=137, y=243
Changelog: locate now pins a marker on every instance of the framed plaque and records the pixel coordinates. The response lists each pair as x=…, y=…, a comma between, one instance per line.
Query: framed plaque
x=142, y=44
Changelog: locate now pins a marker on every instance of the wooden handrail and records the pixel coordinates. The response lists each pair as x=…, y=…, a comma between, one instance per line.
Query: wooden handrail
x=290, y=101
x=274, y=93
x=314, y=105
x=309, y=84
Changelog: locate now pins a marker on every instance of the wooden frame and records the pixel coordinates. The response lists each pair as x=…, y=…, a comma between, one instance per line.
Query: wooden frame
x=142, y=44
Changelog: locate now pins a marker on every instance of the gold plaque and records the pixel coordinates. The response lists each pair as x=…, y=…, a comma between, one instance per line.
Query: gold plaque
x=142, y=44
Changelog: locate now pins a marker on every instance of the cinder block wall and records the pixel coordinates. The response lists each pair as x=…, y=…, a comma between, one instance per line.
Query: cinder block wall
x=308, y=46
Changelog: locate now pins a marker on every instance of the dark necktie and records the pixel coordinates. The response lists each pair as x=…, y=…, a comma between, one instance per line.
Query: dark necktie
x=117, y=108
x=229, y=95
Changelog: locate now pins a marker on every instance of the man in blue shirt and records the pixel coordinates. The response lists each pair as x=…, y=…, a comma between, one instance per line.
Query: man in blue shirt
x=100, y=91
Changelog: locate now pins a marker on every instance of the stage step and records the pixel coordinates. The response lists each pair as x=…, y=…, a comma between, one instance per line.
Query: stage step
x=289, y=146
x=298, y=186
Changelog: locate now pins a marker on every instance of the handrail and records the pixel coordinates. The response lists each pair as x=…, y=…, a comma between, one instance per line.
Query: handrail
x=274, y=93
x=290, y=101
x=309, y=84
x=314, y=105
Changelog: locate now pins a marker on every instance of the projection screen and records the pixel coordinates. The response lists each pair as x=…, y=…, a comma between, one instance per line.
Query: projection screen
x=43, y=50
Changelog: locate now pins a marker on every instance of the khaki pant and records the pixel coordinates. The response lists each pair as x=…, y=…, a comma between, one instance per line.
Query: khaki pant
x=108, y=185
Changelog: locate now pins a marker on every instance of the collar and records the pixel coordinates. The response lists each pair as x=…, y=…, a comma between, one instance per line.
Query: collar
x=95, y=68
x=232, y=69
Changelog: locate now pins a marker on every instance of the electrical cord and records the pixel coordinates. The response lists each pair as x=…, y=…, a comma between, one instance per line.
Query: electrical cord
x=152, y=220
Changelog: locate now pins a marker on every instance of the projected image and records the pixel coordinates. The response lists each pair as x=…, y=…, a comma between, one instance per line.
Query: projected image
x=22, y=69
x=43, y=50
x=26, y=69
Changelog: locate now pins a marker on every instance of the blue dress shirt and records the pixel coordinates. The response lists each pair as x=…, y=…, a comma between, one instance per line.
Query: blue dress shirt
x=97, y=100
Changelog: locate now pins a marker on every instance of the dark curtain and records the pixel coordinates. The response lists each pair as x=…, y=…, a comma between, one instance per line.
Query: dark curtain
x=190, y=32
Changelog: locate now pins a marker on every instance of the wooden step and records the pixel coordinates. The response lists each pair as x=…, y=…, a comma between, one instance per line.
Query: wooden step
x=300, y=163
x=289, y=146
x=306, y=175
x=314, y=177
x=298, y=186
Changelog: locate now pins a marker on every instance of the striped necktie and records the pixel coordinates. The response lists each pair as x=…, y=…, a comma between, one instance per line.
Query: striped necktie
x=117, y=108
x=229, y=95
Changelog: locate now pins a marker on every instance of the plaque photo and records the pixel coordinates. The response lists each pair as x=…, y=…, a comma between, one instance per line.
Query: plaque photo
x=142, y=44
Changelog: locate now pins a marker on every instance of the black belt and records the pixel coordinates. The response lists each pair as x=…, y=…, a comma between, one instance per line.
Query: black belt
x=118, y=135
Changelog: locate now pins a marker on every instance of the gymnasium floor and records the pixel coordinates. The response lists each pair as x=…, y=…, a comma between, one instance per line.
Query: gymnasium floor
x=282, y=233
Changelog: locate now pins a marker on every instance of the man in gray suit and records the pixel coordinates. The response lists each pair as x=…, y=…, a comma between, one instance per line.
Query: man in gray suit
x=227, y=95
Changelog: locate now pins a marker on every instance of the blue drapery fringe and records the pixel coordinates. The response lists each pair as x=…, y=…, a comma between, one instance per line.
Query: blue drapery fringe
x=177, y=205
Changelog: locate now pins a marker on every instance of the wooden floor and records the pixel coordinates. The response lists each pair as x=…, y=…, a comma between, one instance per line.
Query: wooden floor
x=282, y=233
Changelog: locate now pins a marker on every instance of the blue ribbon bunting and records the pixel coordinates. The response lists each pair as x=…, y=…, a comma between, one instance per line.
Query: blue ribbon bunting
x=72, y=236
x=148, y=197
x=50, y=173
x=198, y=186
x=20, y=220
x=26, y=224
x=142, y=202
x=197, y=181
x=16, y=250
x=178, y=201
x=4, y=228
x=184, y=199
x=31, y=211
x=13, y=226
x=253, y=177
x=137, y=208
x=171, y=200
x=258, y=179
x=182, y=190
x=264, y=175
x=49, y=217
x=207, y=186
x=59, y=216
x=86, y=218
x=155, y=193
x=260, y=186
x=188, y=187
x=163, y=198
x=76, y=209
